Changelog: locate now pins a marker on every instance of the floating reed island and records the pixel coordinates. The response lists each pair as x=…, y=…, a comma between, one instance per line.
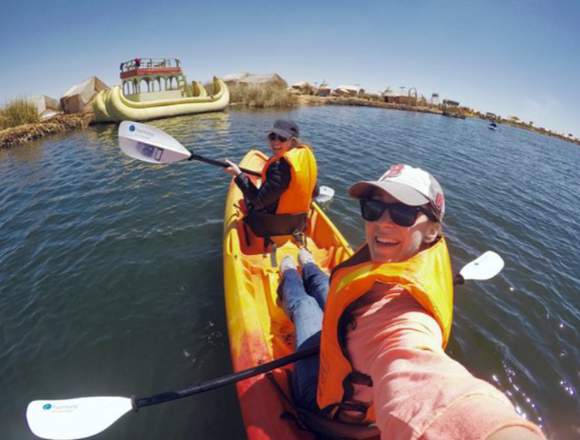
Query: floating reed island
x=11, y=137
x=23, y=120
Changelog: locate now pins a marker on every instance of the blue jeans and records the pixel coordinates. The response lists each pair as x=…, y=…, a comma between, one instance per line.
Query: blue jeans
x=303, y=299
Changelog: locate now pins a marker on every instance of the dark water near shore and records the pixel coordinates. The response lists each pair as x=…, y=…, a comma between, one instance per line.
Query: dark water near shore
x=111, y=271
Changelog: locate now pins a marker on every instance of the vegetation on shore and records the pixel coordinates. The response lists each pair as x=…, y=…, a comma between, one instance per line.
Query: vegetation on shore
x=424, y=107
x=10, y=137
x=18, y=112
x=261, y=96
x=20, y=121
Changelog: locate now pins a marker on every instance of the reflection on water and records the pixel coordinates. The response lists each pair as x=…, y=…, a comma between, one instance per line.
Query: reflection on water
x=32, y=152
x=111, y=278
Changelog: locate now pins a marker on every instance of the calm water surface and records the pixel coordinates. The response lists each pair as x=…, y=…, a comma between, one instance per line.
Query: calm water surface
x=111, y=269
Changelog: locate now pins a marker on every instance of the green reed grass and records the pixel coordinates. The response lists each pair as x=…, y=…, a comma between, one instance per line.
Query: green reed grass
x=18, y=112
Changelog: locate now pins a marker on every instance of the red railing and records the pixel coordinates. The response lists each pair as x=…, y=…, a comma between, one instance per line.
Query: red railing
x=150, y=66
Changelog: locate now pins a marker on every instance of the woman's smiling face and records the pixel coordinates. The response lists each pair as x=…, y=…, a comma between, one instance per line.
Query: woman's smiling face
x=390, y=243
x=279, y=147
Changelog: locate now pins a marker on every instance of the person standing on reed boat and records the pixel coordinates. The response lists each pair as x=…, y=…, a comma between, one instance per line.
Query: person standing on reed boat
x=280, y=205
x=383, y=321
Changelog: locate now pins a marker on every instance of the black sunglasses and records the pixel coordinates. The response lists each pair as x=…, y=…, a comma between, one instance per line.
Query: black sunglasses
x=401, y=214
x=274, y=136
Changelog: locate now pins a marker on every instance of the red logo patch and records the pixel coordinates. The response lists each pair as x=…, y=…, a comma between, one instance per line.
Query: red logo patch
x=395, y=170
x=439, y=200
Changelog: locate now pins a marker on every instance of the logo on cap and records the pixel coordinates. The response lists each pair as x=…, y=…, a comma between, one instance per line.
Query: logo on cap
x=394, y=170
x=439, y=200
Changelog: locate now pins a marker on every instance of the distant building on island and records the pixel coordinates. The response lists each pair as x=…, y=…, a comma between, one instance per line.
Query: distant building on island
x=77, y=99
x=450, y=103
x=303, y=87
x=451, y=108
x=401, y=98
x=348, y=90
x=324, y=89
x=255, y=79
x=45, y=105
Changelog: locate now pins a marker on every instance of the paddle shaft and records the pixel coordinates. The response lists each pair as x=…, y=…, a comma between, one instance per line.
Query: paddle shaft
x=236, y=377
x=222, y=164
x=224, y=380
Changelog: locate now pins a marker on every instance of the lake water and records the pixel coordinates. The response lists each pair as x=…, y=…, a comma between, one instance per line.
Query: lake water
x=111, y=269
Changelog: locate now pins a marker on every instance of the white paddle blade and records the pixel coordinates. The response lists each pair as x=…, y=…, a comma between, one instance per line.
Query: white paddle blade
x=325, y=194
x=488, y=265
x=75, y=418
x=150, y=144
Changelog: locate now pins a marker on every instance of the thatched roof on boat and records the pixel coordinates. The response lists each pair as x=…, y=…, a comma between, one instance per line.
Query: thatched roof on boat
x=255, y=79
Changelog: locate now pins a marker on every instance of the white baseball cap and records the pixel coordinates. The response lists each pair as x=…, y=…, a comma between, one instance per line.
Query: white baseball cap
x=410, y=185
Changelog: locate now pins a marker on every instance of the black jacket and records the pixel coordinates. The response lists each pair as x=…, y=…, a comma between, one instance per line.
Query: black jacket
x=266, y=198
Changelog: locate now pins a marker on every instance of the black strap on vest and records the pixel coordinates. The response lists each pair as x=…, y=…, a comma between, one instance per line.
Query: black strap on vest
x=349, y=404
x=317, y=422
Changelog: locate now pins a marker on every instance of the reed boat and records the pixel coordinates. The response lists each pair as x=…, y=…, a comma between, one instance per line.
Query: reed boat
x=157, y=88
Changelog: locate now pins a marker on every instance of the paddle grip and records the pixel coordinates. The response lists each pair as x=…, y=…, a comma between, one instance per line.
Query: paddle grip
x=220, y=163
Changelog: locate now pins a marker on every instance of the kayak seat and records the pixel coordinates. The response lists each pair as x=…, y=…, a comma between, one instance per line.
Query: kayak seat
x=271, y=225
x=266, y=225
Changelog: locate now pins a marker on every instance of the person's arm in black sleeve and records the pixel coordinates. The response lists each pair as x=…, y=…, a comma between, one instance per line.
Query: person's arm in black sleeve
x=277, y=181
x=247, y=187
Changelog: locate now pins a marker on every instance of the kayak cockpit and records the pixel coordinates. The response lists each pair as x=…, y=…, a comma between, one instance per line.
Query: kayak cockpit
x=259, y=330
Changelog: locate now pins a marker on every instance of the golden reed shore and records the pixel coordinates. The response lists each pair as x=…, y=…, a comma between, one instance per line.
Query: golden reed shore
x=11, y=137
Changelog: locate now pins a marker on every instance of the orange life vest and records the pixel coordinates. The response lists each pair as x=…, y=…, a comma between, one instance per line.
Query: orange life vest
x=303, y=173
x=426, y=276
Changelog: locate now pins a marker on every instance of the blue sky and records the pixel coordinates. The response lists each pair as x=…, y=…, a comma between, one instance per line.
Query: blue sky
x=510, y=57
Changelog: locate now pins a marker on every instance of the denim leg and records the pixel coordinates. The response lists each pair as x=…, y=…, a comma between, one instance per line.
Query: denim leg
x=302, y=309
x=306, y=314
x=315, y=283
x=305, y=377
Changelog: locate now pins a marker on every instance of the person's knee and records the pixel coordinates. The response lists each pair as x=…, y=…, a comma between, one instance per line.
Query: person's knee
x=301, y=306
x=320, y=285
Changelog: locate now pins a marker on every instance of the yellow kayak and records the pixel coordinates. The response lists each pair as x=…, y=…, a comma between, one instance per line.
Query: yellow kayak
x=258, y=328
